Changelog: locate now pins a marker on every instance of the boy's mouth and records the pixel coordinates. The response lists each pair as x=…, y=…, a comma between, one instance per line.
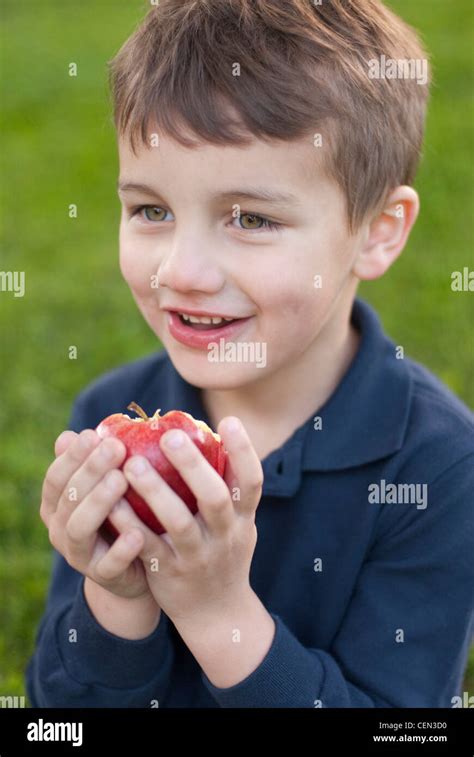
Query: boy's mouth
x=199, y=331
x=205, y=323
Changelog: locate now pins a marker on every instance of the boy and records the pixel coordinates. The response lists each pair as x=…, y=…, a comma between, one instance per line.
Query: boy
x=354, y=466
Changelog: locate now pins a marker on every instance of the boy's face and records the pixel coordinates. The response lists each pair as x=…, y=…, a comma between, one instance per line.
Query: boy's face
x=207, y=259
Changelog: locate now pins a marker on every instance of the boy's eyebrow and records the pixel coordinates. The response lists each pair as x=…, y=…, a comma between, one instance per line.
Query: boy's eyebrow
x=247, y=193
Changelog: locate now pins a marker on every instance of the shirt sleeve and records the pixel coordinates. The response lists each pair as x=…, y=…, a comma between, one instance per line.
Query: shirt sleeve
x=405, y=637
x=78, y=663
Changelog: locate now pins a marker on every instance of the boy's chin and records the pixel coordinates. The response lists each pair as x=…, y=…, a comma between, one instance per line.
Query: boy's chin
x=200, y=372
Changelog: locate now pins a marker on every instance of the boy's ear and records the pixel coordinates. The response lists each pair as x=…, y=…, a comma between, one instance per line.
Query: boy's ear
x=387, y=234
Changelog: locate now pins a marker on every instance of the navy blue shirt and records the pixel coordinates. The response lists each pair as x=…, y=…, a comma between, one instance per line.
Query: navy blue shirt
x=364, y=555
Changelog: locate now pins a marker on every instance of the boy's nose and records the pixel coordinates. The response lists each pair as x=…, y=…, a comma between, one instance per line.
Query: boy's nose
x=186, y=268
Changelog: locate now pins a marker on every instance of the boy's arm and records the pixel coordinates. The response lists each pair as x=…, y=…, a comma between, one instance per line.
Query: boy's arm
x=406, y=634
x=78, y=663
x=129, y=618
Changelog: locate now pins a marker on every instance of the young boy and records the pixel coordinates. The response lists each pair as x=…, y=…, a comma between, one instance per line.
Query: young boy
x=266, y=163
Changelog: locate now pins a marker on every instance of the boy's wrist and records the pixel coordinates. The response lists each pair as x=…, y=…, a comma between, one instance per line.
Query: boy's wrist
x=130, y=618
x=230, y=643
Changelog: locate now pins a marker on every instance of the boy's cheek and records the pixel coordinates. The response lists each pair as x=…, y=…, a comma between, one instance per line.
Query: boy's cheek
x=136, y=271
x=298, y=295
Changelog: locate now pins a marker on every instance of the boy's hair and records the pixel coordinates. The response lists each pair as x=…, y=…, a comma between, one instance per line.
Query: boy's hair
x=304, y=70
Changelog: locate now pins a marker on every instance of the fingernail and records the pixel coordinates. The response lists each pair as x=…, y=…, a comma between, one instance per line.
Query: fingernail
x=174, y=439
x=232, y=425
x=137, y=466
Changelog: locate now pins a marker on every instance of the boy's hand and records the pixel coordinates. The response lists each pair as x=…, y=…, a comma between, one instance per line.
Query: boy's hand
x=80, y=490
x=204, y=560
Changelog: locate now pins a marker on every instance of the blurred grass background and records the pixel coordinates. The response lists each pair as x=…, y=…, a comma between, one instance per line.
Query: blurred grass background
x=58, y=148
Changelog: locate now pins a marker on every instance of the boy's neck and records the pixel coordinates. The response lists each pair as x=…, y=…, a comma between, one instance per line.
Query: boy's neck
x=273, y=408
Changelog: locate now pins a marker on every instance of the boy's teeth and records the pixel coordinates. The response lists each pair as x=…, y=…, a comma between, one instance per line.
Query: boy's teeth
x=204, y=319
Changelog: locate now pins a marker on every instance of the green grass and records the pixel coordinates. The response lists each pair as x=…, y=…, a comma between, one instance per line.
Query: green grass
x=58, y=148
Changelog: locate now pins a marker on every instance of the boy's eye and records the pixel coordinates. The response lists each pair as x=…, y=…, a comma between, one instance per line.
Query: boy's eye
x=252, y=222
x=150, y=213
x=247, y=221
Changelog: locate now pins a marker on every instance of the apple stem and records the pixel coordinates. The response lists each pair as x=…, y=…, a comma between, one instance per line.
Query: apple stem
x=138, y=410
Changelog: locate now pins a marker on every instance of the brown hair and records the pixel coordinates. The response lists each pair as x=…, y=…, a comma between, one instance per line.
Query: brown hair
x=304, y=69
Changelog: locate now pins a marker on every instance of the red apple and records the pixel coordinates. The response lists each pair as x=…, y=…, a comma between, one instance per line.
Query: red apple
x=141, y=436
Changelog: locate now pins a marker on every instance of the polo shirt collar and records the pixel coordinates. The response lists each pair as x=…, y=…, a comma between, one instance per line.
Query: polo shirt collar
x=364, y=420
x=366, y=417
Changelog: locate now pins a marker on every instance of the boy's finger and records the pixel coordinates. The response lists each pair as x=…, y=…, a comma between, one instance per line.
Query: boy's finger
x=244, y=464
x=170, y=509
x=61, y=469
x=84, y=523
x=119, y=556
x=109, y=454
x=63, y=441
x=155, y=547
x=208, y=487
